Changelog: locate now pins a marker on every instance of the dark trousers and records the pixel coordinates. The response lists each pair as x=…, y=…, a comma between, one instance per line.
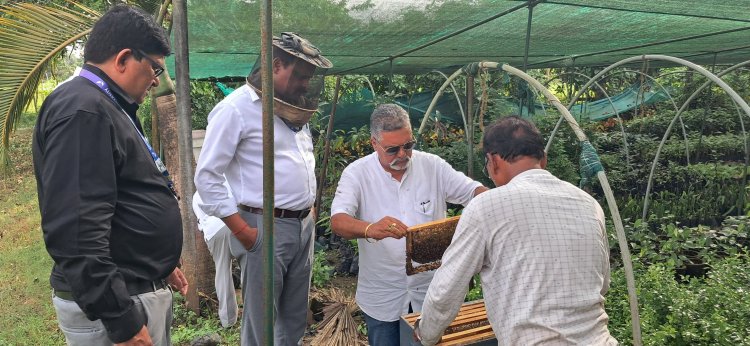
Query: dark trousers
x=381, y=333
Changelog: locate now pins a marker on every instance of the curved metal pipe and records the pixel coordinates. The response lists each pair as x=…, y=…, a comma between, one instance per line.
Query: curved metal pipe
x=737, y=99
x=732, y=94
x=436, y=98
x=458, y=101
x=674, y=104
x=372, y=90
x=617, y=114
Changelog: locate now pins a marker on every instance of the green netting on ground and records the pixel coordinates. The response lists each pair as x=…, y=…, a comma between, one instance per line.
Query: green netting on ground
x=224, y=35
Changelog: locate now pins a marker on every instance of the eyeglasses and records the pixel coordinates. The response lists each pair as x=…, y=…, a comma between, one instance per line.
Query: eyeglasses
x=390, y=151
x=158, y=69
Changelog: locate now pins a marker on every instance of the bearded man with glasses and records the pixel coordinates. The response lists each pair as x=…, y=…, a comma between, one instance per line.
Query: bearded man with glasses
x=378, y=197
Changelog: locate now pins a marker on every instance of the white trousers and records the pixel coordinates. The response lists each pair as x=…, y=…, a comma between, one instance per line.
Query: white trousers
x=218, y=245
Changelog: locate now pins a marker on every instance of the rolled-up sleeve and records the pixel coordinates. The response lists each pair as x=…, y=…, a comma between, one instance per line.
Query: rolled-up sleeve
x=223, y=135
x=78, y=196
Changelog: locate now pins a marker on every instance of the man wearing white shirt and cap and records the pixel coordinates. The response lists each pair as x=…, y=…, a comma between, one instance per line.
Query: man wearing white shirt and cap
x=233, y=151
x=378, y=197
x=217, y=236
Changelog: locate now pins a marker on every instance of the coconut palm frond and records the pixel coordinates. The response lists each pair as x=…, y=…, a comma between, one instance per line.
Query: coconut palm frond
x=31, y=36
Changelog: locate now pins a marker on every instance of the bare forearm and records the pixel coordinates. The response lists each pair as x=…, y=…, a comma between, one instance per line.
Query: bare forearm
x=241, y=230
x=348, y=227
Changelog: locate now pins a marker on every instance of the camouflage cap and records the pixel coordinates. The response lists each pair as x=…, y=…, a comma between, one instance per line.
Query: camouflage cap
x=301, y=48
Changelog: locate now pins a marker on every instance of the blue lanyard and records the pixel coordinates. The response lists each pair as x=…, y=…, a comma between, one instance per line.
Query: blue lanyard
x=91, y=77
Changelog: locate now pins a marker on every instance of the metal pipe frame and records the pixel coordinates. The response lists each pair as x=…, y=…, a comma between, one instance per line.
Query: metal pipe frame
x=738, y=102
x=614, y=109
x=267, y=251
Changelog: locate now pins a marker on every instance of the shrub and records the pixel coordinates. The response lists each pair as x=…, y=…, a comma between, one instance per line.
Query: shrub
x=710, y=311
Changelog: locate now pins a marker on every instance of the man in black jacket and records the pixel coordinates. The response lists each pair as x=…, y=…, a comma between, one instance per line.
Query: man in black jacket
x=110, y=217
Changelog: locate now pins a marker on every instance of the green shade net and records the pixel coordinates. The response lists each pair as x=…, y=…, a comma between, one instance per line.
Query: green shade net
x=417, y=36
x=354, y=109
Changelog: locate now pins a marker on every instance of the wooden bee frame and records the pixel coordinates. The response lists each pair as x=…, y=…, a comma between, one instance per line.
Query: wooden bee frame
x=470, y=327
x=426, y=243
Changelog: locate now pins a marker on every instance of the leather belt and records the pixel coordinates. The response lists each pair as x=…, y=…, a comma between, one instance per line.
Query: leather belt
x=134, y=288
x=279, y=213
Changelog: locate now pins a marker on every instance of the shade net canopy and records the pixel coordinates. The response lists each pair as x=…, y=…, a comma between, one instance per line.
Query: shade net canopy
x=417, y=36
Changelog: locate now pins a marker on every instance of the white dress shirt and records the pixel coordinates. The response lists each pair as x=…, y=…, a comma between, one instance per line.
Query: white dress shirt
x=233, y=148
x=541, y=247
x=368, y=193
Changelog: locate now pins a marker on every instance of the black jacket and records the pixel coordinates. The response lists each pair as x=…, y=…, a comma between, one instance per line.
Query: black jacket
x=108, y=216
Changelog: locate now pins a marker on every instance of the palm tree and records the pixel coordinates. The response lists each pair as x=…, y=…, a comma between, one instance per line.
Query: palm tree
x=31, y=38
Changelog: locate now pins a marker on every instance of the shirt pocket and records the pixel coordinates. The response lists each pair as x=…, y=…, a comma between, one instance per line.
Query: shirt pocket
x=424, y=209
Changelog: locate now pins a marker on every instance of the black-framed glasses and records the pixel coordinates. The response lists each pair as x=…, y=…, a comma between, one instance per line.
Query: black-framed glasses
x=393, y=150
x=158, y=68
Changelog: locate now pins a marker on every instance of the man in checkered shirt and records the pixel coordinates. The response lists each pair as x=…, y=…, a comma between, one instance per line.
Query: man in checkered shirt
x=539, y=244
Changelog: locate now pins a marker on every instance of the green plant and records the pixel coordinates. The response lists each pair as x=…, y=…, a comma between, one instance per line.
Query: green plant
x=186, y=326
x=321, y=271
x=475, y=289
x=710, y=311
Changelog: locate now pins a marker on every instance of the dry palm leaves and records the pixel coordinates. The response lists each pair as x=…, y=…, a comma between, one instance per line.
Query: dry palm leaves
x=338, y=327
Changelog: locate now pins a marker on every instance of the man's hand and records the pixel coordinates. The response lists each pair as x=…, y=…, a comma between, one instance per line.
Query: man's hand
x=241, y=230
x=178, y=281
x=247, y=236
x=140, y=339
x=415, y=336
x=387, y=227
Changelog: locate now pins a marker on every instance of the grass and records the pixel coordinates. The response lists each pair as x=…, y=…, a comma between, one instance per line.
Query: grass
x=26, y=315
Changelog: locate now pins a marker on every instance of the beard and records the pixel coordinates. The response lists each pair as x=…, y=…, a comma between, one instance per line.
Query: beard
x=400, y=164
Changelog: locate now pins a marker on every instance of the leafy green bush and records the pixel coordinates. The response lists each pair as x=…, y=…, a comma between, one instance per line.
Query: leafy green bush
x=716, y=121
x=723, y=147
x=693, y=195
x=710, y=311
x=321, y=271
x=677, y=246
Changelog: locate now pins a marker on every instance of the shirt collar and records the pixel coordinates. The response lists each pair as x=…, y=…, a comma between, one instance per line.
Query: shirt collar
x=531, y=172
x=253, y=95
x=125, y=101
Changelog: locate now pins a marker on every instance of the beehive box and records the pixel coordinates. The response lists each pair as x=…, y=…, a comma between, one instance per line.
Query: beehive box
x=470, y=327
x=426, y=243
